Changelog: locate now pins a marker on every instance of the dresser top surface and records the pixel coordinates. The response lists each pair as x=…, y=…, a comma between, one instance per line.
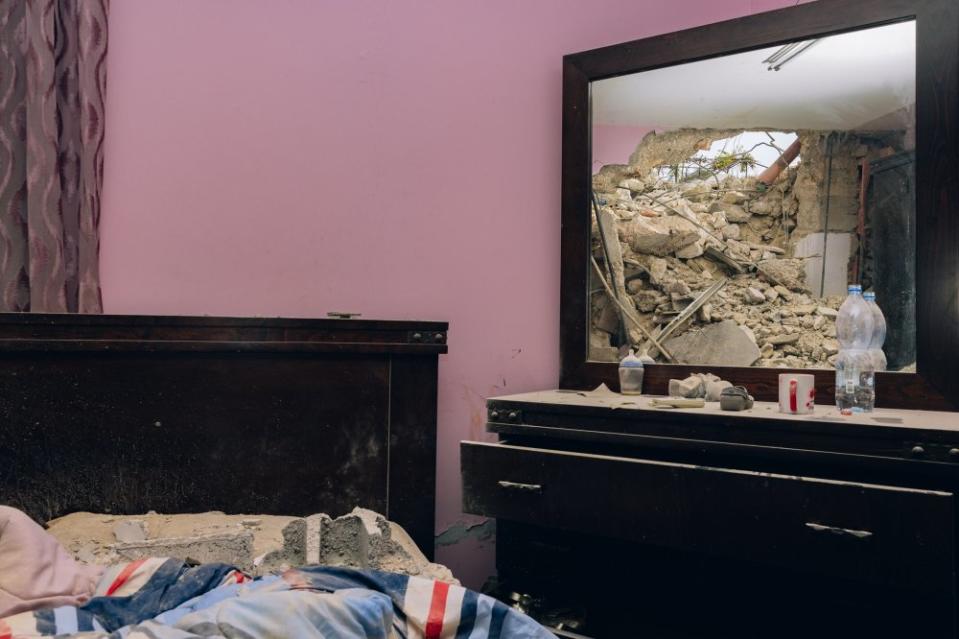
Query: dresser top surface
x=607, y=400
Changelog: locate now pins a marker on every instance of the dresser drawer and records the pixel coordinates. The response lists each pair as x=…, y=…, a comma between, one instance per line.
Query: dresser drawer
x=881, y=534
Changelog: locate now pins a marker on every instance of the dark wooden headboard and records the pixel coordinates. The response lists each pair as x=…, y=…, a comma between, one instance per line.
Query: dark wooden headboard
x=125, y=414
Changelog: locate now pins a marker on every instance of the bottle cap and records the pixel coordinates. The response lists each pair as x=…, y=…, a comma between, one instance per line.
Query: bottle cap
x=631, y=361
x=854, y=288
x=870, y=296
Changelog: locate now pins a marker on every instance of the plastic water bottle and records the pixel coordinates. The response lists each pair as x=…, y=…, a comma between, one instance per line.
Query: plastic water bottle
x=878, y=332
x=631, y=372
x=854, y=323
x=855, y=371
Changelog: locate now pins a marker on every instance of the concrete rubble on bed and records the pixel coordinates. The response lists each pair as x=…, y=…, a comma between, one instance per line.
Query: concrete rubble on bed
x=257, y=544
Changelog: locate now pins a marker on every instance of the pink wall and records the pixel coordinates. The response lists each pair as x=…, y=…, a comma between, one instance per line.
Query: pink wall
x=291, y=157
x=613, y=144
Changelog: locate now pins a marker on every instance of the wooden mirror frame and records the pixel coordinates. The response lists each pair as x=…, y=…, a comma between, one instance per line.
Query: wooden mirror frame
x=935, y=385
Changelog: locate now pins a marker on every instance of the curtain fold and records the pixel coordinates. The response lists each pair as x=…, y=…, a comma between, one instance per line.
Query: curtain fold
x=52, y=89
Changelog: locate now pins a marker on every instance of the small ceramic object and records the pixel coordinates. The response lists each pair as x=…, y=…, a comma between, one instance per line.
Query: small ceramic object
x=735, y=398
x=797, y=394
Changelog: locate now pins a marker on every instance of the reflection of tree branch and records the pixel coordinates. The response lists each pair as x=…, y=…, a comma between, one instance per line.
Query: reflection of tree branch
x=770, y=145
x=772, y=142
x=737, y=158
x=722, y=164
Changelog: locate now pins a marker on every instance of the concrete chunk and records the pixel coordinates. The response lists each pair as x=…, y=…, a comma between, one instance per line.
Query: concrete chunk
x=256, y=544
x=130, y=530
x=720, y=344
x=360, y=539
x=779, y=340
x=229, y=548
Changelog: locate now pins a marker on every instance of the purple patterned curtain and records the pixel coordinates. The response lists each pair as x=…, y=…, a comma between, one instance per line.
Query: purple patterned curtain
x=52, y=87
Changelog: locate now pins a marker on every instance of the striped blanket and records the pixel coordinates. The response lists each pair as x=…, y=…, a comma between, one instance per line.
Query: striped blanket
x=167, y=599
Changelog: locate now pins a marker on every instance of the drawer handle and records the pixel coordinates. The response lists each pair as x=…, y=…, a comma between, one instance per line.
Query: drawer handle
x=842, y=532
x=523, y=488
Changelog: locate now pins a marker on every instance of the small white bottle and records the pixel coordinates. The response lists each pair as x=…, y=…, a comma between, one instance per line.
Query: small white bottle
x=631, y=372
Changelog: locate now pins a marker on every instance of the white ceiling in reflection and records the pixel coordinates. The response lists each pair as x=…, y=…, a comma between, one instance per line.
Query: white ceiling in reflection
x=859, y=80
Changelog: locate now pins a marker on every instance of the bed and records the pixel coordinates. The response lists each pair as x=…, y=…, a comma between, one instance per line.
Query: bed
x=126, y=414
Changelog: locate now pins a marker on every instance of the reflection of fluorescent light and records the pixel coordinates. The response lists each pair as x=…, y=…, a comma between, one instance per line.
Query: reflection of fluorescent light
x=780, y=52
x=789, y=52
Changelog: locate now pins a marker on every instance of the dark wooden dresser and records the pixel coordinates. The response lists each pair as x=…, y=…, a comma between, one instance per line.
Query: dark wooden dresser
x=125, y=414
x=651, y=522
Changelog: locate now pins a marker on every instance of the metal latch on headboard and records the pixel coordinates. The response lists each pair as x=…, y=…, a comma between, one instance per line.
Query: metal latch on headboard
x=426, y=337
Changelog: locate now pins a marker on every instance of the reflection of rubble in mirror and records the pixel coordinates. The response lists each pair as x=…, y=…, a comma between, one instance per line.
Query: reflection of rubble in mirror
x=691, y=210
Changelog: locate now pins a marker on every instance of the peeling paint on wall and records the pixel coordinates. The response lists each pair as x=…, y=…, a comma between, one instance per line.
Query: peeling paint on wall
x=482, y=531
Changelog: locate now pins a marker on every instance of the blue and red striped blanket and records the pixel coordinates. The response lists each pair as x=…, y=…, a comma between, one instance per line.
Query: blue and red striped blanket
x=167, y=599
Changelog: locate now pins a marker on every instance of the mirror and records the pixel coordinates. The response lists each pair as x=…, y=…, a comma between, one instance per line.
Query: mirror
x=734, y=198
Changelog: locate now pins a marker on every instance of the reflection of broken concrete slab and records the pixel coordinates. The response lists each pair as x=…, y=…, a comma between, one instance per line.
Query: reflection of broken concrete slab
x=659, y=236
x=721, y=344
x=361, y=539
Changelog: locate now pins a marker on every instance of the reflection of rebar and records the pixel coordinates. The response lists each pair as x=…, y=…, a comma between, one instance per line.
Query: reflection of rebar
x=609, y=263
x=627, y=313
x=602, y=235
x=825, y=231
x=861, y=223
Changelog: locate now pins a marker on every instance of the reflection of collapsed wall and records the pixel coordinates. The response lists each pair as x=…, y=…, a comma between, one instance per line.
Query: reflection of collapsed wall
x=680, y=236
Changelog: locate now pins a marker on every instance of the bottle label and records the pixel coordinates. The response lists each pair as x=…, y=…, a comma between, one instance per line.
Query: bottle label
x=850, y=376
